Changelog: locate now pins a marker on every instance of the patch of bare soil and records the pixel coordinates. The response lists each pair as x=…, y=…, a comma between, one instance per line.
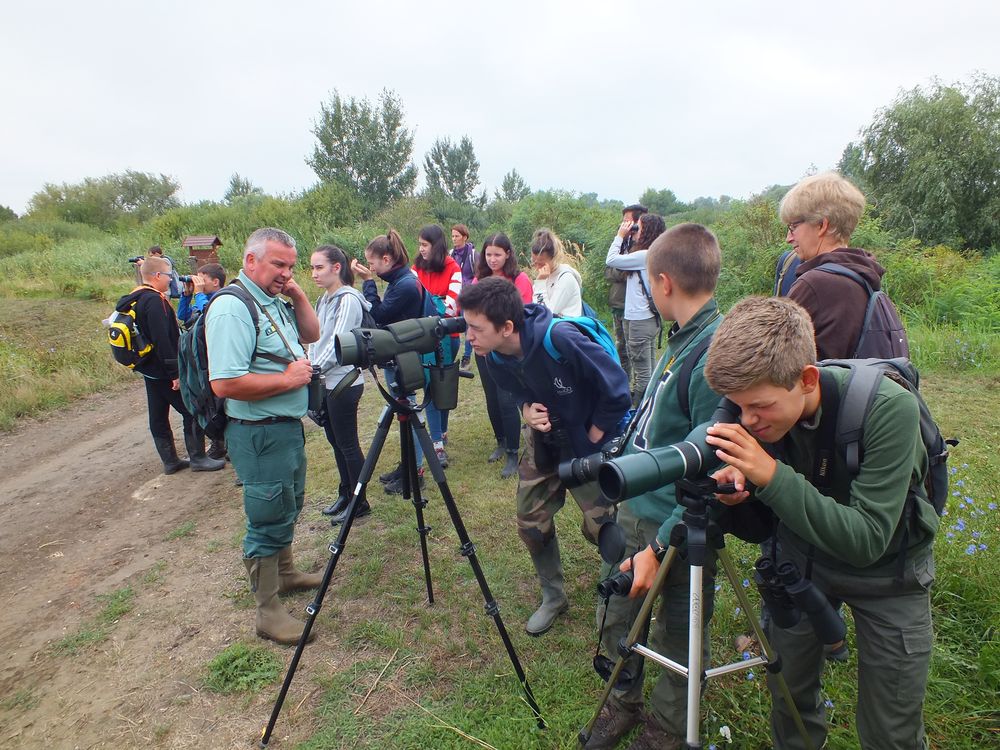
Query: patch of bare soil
x=86, y=511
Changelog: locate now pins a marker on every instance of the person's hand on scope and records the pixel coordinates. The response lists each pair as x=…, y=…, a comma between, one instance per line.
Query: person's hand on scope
x=360, y=270
x=646, y=566
x=536, y=416
x=746, y=459
x=298, y=373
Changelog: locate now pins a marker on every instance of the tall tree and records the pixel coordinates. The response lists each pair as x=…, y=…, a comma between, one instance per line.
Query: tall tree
x=513, y=188
x=365, y=147
x=7, y=213
x=453, y=169
x=125, y=199
x=240, y=187
x=662, y=202
x=931, y=163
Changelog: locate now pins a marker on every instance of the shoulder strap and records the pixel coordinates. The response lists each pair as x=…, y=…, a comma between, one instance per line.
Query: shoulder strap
x=684, y=376
x=238, y=290
x=550, y=347
x=854, y=405
x=839, y=270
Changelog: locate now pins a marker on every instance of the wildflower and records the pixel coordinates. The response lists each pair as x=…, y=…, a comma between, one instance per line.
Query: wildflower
x=828, y=703
x=982, y=547
x=746, y=655
x=960, y=525
x=992, y=506
x=750, y=675
x=960, y=483
x=746, y=583
x=970, y=550
x=727, y=735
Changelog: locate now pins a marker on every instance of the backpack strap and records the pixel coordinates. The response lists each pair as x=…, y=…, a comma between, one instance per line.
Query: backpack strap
x=684, y=375
x=853, y=408
x=785, y=262
x=839, y=270
x=238, y=290
x=550, y=347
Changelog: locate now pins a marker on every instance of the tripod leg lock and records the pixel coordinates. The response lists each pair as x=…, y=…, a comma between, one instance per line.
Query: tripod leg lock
x=492, y=608
x=424, y=530
x=774, y=666
x=468, y=549
x=312, y=609
x=336, y=549
x=624, y=650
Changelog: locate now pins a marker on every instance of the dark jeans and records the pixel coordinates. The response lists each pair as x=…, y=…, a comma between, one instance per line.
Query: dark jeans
x=342, y=432
x=501, y=408
x=159, y=398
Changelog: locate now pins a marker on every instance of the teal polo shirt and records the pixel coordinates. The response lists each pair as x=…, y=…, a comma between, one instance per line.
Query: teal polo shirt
x=229, y=334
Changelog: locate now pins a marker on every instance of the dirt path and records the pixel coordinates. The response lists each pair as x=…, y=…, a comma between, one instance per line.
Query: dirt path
x=85, y=511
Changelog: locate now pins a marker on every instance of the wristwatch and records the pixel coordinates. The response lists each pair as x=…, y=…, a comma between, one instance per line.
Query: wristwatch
x=658, y=549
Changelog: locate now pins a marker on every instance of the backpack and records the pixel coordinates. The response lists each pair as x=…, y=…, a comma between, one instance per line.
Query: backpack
x=882, y=333
x=784, y=273
x=855, y=403
x=192, y=366
x=590, y=326
x=129, y=346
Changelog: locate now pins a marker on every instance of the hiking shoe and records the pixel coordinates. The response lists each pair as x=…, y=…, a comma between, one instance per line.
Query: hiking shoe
x=391, y=476
x=396, y=487
x=363, y=510
x=841, y=654
x=612, y=724
x=655, y=737
x=442, y=456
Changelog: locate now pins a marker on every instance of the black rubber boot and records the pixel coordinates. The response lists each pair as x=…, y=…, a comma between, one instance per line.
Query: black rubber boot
x=168, y=454
x=510, y=467
x=195, y=443
x=217, y=449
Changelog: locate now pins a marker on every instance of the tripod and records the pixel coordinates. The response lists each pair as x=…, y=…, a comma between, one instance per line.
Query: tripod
x=411, y=427
x=699, y=532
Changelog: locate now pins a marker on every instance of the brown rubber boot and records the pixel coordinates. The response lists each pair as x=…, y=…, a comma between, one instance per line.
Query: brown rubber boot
x=291, y=579
x=272, y=620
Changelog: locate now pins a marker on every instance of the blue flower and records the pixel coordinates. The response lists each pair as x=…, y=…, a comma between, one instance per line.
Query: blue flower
x=970, y=550
x=746, y=655
x=746, y=583
x=828, y=703
x=959, y=525
x=960, y=483
x=976, y=534
x=992, y=506
x=952, y=470
x=982, y=546
x=750, y=675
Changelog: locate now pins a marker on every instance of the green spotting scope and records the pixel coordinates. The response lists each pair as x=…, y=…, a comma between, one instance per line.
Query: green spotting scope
x=631, y=475
x=365, y=347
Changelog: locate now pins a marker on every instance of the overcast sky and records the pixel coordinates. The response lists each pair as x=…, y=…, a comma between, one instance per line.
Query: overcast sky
x=703, y=98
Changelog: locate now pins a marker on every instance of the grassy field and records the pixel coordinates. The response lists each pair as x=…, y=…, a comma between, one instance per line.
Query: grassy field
x=425, y=676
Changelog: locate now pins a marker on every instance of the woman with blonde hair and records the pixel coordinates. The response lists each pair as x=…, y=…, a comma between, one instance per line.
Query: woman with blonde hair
x=557, y=285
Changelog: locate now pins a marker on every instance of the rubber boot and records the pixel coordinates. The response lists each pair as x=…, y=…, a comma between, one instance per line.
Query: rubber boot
x=195, y=443
x=217, y=449
x=292, y=579
x=497, y=454
x=273, y=621
x=550, y=576
x=510, y=467
x=168, y=454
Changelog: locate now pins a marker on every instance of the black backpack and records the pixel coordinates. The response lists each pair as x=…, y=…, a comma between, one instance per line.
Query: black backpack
x=882, y=333
x=855, y=403
x=192, y=366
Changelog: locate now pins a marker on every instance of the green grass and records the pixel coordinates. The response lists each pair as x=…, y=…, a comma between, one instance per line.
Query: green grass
x=185, y=529
x=116, y=605
x=449, y=658
x=242, y=668
x=24, y=699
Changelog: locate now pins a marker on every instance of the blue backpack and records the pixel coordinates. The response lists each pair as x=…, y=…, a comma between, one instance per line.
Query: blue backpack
x=590, y=326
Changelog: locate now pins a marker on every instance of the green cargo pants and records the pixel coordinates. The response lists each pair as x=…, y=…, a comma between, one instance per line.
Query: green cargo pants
x=668, y=634
x=271, y=461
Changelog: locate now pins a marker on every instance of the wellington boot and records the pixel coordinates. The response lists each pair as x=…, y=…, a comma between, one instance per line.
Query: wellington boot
x=168, y=454
x=195, y=444
x=273, y=621
x=497, y=453
x=217, y=449
x=510, y=467
x=291, y=579
x=550, y=576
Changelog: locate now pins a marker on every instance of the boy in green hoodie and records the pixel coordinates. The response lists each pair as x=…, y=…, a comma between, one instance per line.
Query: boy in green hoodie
x=683, y=266
x=864, y=539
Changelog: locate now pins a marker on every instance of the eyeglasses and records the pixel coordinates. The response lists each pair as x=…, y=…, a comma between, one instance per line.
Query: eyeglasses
x=792, y=226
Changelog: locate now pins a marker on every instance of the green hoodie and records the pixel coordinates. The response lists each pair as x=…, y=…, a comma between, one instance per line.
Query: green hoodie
x=662, y=423
x=857, y=528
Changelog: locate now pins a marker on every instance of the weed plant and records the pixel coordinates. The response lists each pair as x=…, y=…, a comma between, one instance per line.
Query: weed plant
x=242, y=668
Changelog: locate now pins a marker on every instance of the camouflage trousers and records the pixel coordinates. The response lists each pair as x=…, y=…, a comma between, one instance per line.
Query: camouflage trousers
x=540, y=494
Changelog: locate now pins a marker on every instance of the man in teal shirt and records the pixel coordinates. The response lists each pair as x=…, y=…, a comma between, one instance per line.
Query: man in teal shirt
x=262, y=373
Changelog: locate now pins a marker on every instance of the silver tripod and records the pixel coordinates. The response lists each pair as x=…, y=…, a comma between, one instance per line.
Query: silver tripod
x=699, y=532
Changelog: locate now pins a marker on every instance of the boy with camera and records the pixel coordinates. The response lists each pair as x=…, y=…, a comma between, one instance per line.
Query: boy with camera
x=571, y=405
x=865, y=539
x=683, y=266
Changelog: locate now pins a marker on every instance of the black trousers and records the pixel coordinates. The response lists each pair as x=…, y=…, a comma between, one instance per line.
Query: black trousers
x=502, y=409
x=342, y=432
x=159, y=398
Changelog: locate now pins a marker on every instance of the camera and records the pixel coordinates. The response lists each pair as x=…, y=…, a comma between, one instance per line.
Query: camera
x=788, y=596
x=136, y=258
x=618, y=584
x=623, y=477
x=577, y=471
